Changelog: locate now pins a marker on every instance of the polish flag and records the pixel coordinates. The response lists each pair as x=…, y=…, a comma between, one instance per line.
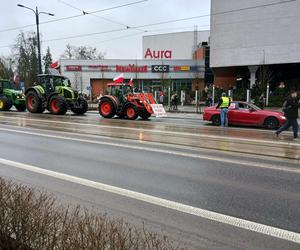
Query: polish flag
x=54, y=65
x=119, y=79
x=131, y=82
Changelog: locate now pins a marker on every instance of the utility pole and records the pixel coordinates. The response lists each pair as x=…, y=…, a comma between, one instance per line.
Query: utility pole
x=37, y=22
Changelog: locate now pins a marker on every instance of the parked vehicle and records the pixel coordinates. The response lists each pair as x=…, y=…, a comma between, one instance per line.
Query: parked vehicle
x=243, y=113
x=122, y=101
x=10, y=96
x=54, y=92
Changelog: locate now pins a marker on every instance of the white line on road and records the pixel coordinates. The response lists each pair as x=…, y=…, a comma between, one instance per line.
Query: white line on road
x=162, y=151
x=237, y=139
x=206, y=214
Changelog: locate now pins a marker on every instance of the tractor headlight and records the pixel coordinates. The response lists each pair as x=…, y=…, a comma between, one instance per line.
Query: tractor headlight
x=283, y=117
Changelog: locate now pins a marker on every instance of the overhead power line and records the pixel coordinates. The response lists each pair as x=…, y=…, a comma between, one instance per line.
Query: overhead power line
x=171, y=21
x=95, y=15
x=160, y=23
x=75, y=16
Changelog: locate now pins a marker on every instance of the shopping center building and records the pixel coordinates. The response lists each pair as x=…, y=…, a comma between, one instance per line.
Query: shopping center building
x=168, y=61
x=255, y=41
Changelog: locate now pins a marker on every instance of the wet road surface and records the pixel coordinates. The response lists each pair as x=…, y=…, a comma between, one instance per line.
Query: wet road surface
x=239, y=172
x=188, y=132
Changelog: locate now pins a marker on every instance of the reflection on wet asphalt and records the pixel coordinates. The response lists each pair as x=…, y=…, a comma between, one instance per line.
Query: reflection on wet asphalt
x=188, y=132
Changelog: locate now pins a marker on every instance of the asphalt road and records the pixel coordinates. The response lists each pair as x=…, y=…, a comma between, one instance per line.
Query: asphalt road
x=204, y=187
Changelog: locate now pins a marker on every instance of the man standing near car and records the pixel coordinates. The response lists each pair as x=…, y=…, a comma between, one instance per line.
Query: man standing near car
x=290, y=109
x=224, y=104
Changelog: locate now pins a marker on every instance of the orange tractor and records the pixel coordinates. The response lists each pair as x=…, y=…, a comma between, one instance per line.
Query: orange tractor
x=123, y=102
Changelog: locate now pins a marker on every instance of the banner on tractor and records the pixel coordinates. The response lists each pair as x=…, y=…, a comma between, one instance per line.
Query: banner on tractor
x=158, y=110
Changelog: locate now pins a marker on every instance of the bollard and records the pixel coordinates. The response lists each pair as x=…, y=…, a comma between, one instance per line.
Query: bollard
x=267, y=95
x=213, y=95
x=248, y=95
x=196, y=101
x=169, y=98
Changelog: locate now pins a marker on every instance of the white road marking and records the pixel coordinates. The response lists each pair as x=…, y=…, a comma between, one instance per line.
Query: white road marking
x=238, y=139
x=162, y=151
x=206, y=214
x=196, y=151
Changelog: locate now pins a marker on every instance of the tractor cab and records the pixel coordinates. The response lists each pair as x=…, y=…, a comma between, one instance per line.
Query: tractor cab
x=120, y=90
x=51, y=83
x=7, y=84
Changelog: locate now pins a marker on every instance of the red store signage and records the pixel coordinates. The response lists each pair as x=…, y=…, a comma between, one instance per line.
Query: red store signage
x=131, y=68
x=73, y=68
x=99, y=67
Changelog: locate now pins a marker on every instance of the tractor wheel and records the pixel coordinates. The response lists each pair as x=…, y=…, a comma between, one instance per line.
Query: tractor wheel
x=82, y=108
x=131, y=112
x=107, y=108
x=144, y=114
x=34, y=104
x=5, y=103
x=21, y=107
x=58, y=105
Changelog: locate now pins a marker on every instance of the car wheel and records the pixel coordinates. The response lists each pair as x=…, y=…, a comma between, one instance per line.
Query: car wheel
x=271, y=123
x=216, y=120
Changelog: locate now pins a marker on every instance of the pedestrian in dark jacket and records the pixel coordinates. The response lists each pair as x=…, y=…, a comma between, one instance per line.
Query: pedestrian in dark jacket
x=290, y=109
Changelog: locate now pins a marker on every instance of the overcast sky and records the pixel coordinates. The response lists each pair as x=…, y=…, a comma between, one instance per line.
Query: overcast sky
x=125, y=44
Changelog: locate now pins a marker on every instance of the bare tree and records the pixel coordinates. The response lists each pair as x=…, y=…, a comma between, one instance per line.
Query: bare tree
x=82, y=52
x=6, y=70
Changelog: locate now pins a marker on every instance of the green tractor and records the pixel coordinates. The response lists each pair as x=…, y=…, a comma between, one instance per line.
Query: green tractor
x=10, y=96
x=54, y=93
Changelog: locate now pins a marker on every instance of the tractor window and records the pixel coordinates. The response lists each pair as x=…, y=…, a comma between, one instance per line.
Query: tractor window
x=7, y=85
x=116, y=91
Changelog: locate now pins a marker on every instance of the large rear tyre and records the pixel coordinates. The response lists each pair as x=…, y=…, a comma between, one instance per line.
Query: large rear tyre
x=107, y=108
x=5, y=103
x=34, y=104
x=21, y=107
x=144, y=114
x=58, y=105
x=216, y=120
x=81, y=108
x=131, y=112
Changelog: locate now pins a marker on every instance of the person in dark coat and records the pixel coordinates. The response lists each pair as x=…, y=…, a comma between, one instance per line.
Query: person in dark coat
x=290, y=109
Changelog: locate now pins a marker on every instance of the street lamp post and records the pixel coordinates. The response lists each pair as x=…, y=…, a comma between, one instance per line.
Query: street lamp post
x=37, y=21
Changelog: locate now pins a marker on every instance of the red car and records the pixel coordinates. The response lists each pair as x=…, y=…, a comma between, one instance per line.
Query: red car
x=243, y=113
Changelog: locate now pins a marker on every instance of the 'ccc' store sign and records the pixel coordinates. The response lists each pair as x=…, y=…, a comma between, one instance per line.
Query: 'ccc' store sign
x=160, y=68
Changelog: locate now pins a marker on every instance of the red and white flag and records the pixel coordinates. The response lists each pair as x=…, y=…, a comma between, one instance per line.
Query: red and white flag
x=131, y=82
x=119, y=79
x=54, y=65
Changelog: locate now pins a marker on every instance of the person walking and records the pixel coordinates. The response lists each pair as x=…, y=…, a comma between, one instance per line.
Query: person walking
x=224, y=104
x=262, y=101
x=290, y=109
